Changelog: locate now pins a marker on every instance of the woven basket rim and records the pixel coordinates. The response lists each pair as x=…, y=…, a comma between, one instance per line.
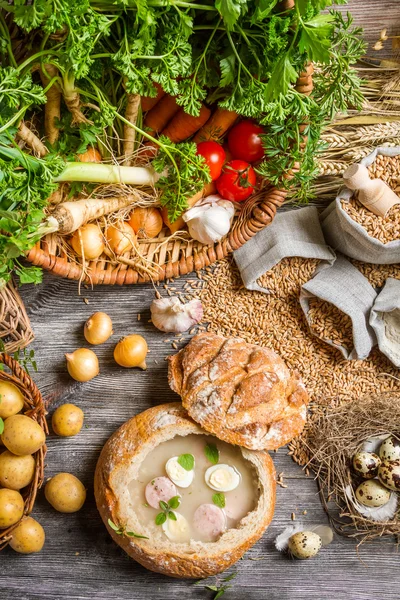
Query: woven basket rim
x=34, y=407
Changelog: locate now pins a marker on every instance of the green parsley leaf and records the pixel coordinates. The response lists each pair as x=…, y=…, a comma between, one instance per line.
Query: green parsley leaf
x=136, y=535
x=315, y=38
x=219, y=499
x=163, y=505
x=172, y=515
x=161, y=518
x=186, y=461
x=227, y=66
x=212, y=453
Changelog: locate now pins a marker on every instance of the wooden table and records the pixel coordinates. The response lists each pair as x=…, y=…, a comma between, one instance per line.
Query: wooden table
x=79, y=560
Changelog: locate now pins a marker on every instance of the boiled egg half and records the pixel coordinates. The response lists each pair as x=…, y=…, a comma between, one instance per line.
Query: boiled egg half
x=177, y=530
x=178, y=474
x=222, y=478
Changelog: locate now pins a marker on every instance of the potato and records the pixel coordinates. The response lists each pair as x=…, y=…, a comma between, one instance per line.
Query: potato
x=28, y=536
x=16, y=472
x=67, y=420
x=11, y=399
x=65, y=493
x=11, y=507
x=22, y=435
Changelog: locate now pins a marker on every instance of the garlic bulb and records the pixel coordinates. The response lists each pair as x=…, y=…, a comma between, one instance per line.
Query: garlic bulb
x=170, y=315
x=210, y=219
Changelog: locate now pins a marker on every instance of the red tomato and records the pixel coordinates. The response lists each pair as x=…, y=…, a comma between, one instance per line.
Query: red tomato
x=214, y=155
x=244, y=141
x=237, y=181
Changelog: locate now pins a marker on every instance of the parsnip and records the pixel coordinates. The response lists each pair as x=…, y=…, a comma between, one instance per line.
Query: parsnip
x=32, y=140
x=52, y=109
x=131, y=113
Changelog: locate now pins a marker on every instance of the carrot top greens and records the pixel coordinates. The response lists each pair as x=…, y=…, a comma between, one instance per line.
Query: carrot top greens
x=242, y=55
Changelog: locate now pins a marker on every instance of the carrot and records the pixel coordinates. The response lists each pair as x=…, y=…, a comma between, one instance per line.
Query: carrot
x=183, y=126
x=92, y=155
x=159, y=116
x=52, y=109
x=69, y=216
x=131, y=113
x=31, y=140
x=217, y=125
x=180, y=223
x=148, y=103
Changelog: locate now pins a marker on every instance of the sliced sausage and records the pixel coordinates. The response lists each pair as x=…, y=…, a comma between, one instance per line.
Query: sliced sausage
x=160, y=488
x=210, y=521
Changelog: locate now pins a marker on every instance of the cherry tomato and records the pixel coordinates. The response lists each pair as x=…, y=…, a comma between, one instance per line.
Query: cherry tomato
x=244, y=141
x=214, y=155
x=237, y=181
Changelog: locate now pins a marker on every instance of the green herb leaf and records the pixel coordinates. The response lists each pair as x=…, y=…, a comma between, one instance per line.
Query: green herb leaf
x=136, y=535
x=219, y=499
x=174, y=502
x=163, y=505
x=1, y=425
x=231, y=576
x=161, y=518
x=212, y=453
x=186, y=461
x=172, y=515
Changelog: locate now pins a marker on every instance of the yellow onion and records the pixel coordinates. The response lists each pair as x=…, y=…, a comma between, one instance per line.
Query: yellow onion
x=131, y=351
x=98, y=328
x=146, y=222
x=82, y=364
x=121, y=237
x=90, y=240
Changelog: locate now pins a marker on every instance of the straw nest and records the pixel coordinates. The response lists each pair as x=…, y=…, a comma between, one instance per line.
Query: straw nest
x=331, y=440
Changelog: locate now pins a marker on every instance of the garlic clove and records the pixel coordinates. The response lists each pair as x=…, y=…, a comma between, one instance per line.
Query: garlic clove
x=210, y=219
x=172, y=316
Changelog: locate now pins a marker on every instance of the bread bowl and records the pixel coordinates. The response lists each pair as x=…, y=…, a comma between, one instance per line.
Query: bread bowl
x=117, y=474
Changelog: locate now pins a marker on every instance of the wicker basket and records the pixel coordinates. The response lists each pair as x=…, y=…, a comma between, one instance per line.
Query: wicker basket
x=35, y=409
x=15, y=328
x=174, y=256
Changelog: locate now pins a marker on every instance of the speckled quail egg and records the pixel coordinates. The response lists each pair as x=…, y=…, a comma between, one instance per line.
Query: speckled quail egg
x=372, y=493
x=178, y=474
x=366, y=464
x=389, y=474
x=304, y=544
x=390, y=449
x=177, y=530
x=222, y=478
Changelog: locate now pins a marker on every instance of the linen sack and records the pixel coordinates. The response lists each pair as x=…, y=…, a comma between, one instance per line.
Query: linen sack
x=346, y=288
x=292, y=233
x=385, y=320
x=350, y=238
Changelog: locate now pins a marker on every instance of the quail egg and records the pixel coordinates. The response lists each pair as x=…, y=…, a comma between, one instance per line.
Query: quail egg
x=178, y=474
x=366, y=464
x=372, y=493
x=222, y=478
x=389, y=474
x=177, y=530
x=390, y=449
x=304, y=544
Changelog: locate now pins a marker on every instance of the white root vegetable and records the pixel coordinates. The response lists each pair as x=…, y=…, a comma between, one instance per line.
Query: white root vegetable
x=131, y=113
x=69, y=216
x=31, y=140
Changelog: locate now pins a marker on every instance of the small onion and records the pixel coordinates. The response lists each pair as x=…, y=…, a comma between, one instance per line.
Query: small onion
x=92, y=155
x=92, y=241
x=146, y=222
x=131, y=351
x=121, y=237
x=82, y=364
x=98, y=328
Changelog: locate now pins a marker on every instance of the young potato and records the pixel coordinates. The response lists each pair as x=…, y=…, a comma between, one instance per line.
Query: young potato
x=65, y=493
x=22, y=435
x=11, y=507
x=67, y=420
x=16, y=472
x=11, y=399
x=28, y=536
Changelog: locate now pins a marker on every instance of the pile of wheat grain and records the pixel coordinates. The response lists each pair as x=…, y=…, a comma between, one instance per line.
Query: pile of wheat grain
x=329, y=323
x=276, y=320
x=385, y=229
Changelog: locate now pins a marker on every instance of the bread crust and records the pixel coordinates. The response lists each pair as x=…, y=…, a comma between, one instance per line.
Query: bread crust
x=242, y=393
x=121, y=458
